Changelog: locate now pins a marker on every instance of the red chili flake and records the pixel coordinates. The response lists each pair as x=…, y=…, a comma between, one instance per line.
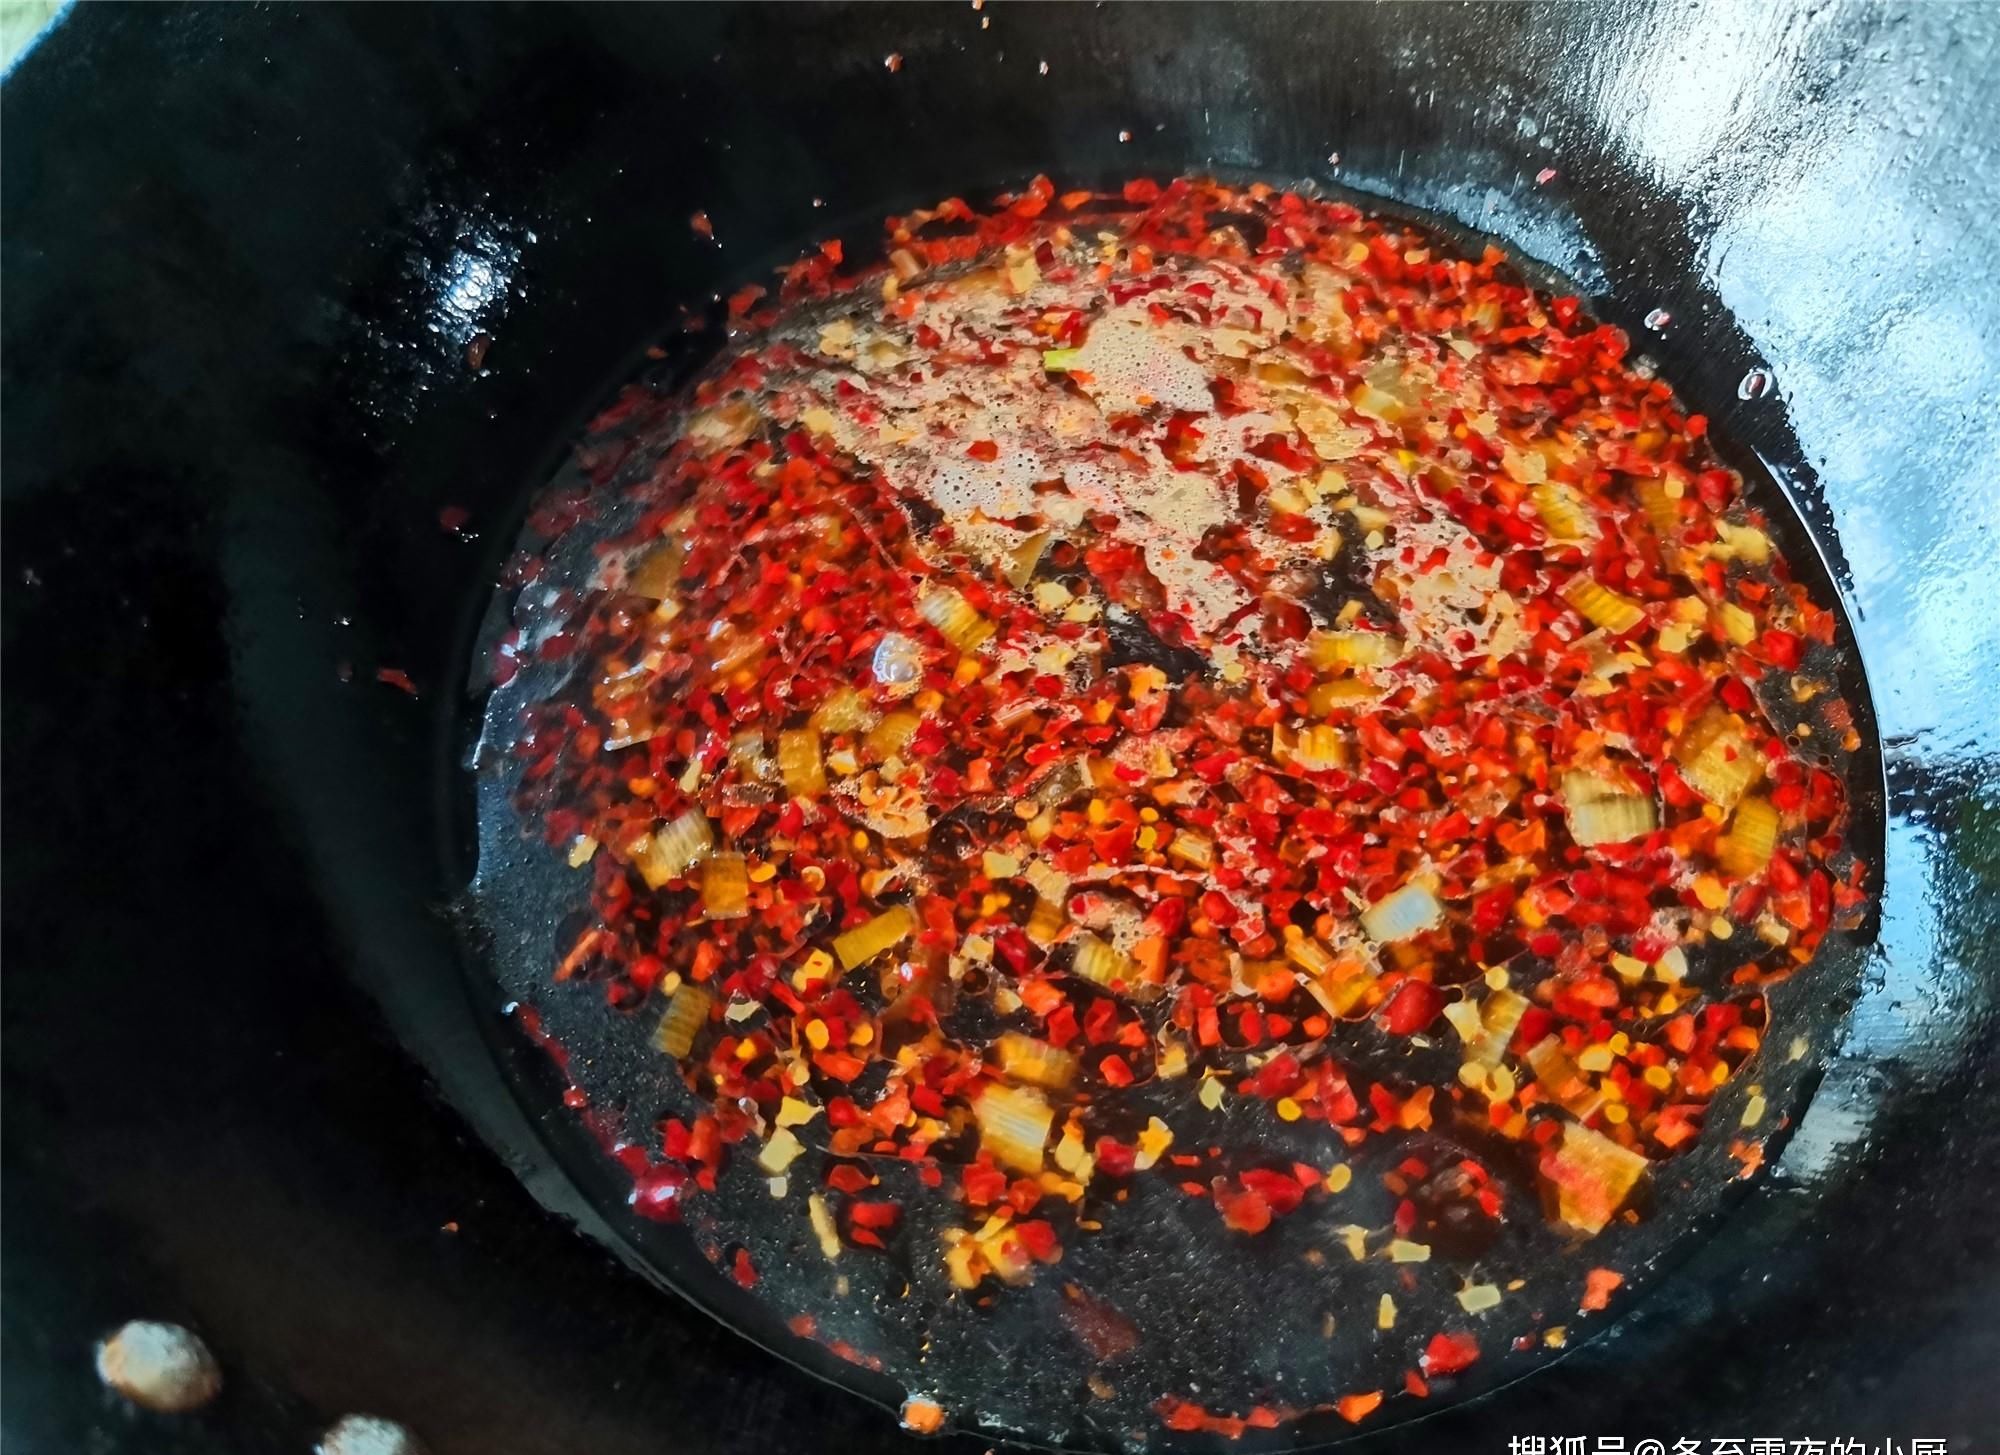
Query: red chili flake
x=877, y=1215
x=1250, y=1025
x=1449, y=1353
x=839, y=1064
x=1280, y=1190
x=1242, y=1209
x=984, y=1185
x=1114, y=1158
x=1354, y=1408
x=656, y=1193
x=1333, y=1094
x=1208, y=1025
x=1277, y=1077
x=397, y=678
x=1178, y=1414
x=1062, y=1027
x=1414, y=1006
x=1783, y=648
x=1100, y=1022
x=1598, y=1286
x=845, y=1177
x=705, y=1141
x=1383, y=1103
x=674, y=1138
x=741, y=1269
x=1039, y=1238
x=703, y=228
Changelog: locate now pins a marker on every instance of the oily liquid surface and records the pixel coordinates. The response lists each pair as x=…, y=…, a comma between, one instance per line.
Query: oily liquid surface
x=1191, y=726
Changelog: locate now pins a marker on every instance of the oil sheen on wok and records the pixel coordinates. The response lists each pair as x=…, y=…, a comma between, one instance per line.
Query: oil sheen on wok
x=1191, y=708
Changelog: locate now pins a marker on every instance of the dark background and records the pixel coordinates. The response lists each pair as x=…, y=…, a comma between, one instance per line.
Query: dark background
x=245, y=250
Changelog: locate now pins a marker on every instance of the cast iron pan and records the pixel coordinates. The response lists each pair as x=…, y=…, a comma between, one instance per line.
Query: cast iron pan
x=237, y=399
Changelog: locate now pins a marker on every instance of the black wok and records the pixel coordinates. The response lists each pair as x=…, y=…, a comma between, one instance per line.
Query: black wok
x=246, y=253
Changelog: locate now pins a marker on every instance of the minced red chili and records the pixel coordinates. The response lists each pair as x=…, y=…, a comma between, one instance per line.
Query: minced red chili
x=1182, y=625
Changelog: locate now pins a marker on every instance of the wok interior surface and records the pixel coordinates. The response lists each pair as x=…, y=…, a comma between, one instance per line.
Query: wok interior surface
x=245, y=1085
x=1285, y=1321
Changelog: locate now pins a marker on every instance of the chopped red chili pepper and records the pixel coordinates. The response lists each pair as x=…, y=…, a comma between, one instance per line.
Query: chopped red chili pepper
x=1172, y=640
x=1414, y=1006
x=1449, y=1353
